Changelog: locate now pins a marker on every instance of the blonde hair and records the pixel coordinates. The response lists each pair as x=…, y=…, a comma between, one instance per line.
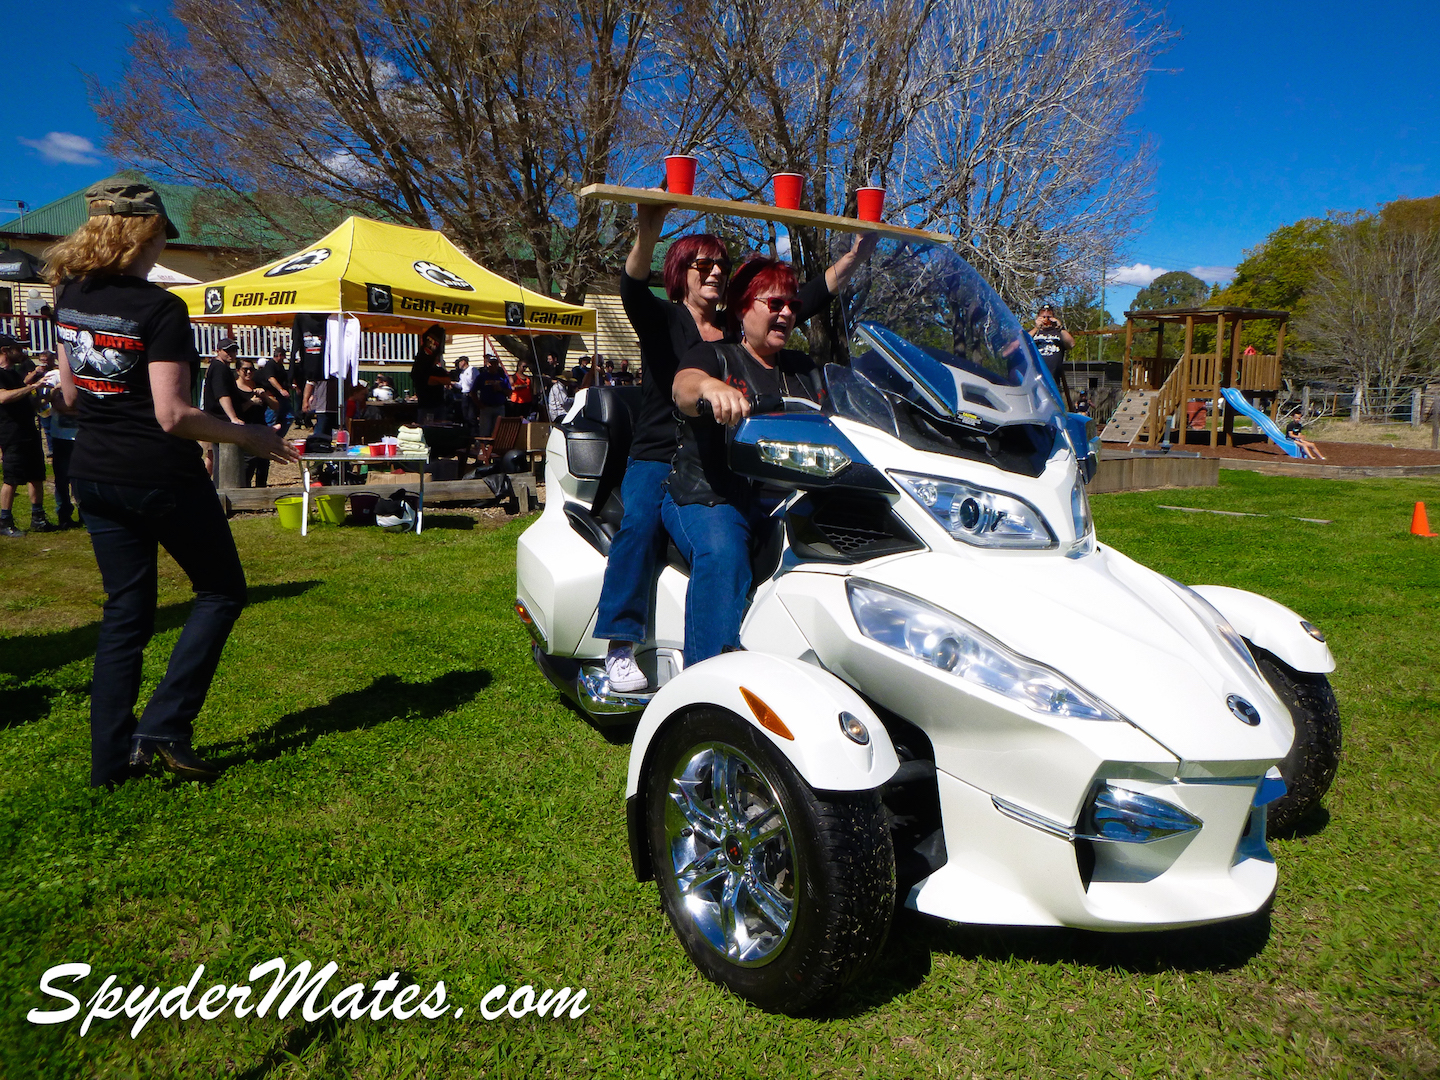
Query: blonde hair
x=106, y=244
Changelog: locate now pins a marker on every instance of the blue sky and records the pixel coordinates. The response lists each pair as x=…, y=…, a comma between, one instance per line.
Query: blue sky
x=1261, y=114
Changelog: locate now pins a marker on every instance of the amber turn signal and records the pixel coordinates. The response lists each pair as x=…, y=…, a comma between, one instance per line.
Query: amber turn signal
x=766, y=715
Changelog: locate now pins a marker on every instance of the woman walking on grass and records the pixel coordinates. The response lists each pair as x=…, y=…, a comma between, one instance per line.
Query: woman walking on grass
x=129, y=360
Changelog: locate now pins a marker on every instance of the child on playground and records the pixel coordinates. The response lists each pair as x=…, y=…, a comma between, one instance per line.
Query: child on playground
x=1292, y=432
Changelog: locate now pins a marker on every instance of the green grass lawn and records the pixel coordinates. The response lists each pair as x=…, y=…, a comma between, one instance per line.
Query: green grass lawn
x=406, y=793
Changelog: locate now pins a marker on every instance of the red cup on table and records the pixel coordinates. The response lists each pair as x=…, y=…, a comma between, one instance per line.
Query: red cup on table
x=299, y=445
x=788, y=188
x=869, y=203
x=680, y=174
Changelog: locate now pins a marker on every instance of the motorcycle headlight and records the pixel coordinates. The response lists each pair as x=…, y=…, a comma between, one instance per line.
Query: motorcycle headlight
x=1211, y=613
x=1084, y=524
x=951, y=644
x=989, y=519
x=815, y=459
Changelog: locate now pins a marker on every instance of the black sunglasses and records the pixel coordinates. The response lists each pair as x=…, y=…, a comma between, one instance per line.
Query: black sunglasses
x=777, y=304
x=704, y=266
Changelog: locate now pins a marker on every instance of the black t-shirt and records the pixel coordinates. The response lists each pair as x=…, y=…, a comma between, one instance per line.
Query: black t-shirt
x=667, y=331
x=1293, y=428
x=701, y=473
x=428, y=395
x=113, y=328
x=307, y=347
x=273, y=369
x=219, y=384
x=494, y=387
x=249, y=406
x=1051, y=347
x=17, y=417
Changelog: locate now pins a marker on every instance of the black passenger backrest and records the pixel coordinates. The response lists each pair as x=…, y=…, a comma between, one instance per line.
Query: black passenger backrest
x=606, y=406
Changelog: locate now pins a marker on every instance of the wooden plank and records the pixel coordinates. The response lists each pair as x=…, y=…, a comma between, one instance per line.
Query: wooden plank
x=1215, y=386
x=759, y=211
x=1129, y=340
x=1232, y=371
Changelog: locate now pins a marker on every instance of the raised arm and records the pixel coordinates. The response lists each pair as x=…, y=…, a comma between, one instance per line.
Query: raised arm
x=649, y=221
x=842, y=268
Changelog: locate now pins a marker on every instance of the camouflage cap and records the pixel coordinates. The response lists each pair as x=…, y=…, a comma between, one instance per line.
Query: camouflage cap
x=126, y=196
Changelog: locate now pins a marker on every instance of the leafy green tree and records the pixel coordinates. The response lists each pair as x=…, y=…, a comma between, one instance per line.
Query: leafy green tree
x=1178, y=288
x=1278, y=274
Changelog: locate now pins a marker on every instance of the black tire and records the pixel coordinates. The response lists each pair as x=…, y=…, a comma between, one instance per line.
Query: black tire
x=1310, y=765
x=830, y=852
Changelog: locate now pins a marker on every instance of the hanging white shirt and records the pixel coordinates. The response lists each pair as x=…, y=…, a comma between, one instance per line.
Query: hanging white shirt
x=342, y=347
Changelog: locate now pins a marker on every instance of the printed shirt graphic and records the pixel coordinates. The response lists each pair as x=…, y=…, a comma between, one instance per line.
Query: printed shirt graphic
x=1051, y=348
x=112, y=328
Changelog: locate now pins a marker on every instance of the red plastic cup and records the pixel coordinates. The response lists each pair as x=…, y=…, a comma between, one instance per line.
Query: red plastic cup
x=869, y=203
x=788, y=188
x=680, y=174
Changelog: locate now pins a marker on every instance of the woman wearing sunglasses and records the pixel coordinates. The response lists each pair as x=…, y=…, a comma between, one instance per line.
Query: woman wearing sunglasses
x=696, y=270
x=708, y=510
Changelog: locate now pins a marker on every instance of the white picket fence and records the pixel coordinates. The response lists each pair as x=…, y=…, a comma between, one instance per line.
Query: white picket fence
x=255, y=341
x=261, y=341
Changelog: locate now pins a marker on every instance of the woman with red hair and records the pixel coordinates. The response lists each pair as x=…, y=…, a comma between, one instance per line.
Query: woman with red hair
x=697, y=267
x=708, y=510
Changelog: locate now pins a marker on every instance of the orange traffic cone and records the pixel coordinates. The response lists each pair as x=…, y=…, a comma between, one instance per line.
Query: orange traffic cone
x=1419, y=523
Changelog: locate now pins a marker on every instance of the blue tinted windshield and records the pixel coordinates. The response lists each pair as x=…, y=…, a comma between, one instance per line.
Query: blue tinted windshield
x=926, y=327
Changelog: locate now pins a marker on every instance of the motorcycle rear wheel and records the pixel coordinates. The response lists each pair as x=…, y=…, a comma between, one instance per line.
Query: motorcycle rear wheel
x=776, y=891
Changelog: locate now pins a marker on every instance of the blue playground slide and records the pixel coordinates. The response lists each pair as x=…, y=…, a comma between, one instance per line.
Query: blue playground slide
x=1240, y=405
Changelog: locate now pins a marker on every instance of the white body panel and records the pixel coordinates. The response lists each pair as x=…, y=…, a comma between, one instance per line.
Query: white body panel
x=808, y=702
x=1272, y=626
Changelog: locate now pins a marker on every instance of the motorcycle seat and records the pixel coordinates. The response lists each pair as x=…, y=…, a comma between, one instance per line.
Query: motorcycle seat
x=597, y=442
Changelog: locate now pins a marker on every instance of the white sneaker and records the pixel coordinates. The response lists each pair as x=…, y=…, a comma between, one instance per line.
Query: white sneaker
x=623, y=673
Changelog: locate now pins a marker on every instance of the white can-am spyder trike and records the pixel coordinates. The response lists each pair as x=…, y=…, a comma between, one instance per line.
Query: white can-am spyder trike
x=949, y=695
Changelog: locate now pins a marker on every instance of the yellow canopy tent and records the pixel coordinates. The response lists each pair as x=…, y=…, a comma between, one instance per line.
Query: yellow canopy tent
x=394, y=278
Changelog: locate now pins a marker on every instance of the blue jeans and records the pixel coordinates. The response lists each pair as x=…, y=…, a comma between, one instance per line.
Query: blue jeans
x=126, y=525
x=278, y=416
x=715, y=541
x=635, y=551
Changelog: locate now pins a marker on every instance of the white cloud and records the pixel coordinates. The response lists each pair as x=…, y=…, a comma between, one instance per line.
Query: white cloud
x=1213, y=273
x=782, y=245
x=64, y=148
x=1139, y=274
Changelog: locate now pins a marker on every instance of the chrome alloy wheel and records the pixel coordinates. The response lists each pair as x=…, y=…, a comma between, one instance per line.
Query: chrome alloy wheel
x=732, y=854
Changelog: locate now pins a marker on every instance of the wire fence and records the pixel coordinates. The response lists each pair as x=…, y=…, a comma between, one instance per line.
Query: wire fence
x=1410, y=403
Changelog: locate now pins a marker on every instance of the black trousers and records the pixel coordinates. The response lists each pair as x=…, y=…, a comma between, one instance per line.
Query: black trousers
x=127, y=526
x=60, y=451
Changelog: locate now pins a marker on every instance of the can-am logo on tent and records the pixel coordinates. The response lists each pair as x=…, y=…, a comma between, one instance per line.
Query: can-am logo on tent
x=440, y=276
x=379, y=299
x=304, y=261
x=214, y=299
x=514, y=313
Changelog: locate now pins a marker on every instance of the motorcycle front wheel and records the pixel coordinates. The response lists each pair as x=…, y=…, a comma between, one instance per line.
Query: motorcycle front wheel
x=776, y=891
x=1309, y=767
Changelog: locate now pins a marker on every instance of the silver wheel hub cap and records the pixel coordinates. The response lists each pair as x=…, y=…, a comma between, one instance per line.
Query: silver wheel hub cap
x=731, y=854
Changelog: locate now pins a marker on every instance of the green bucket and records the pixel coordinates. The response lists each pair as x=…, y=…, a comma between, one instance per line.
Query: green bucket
x=288, y=510
x=331, y=508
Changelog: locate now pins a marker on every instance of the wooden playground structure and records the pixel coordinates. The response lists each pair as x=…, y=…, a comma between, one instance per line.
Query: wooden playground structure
x=1157, y=389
